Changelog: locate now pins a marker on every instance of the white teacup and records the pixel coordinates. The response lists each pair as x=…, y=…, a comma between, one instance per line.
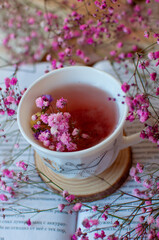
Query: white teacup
x=88, y=162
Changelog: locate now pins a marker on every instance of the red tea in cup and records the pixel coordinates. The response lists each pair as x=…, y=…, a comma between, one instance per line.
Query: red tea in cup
x=91, y=111
x=87, y=90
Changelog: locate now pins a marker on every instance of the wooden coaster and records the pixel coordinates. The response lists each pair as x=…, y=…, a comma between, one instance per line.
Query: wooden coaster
x=94, y=187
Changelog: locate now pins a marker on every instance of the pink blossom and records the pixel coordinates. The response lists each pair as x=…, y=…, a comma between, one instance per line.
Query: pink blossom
x=139, y=229
x=113, y=53
x=121, y=55
x=146, y=34
x=8, y=173
x=44, y=118
x=104, y=216
x=157, y=63
x=73, y=237
x=126, y=30
x=90, y=41
x=2, y=112
x=151, y=55
x=77, y=207
x=34, y=117
x=70, y=198
x=119, y=44
x=141, y=219
x=86, y=223
x=31, y=20
x=16, y=145
x=53, y=63
x=133, y=171
x=151, y=235
x=78, y=232
x=83, y=26
x=9, y=189
x=80, y=53
x=54, y=130
x=10, y=112
x=101, y=235
x=86, y=59
x=143, y=114
x=68, y=51
x=65, y=138
x=13, y=81
x=142, y=65
x=137, y=8
x=143, y=210
x=34, y=34
x=75, y=132
x=153, y=76
x=36, y=126
x=94, y=208
x=130, y=1
x=148, y=202
x=94, y=222
x=22, y=165
x=84, y=135
x=150, y=220
x=39, y=102
x=7, y=82
x=125, y=87
x=10, y=99
x=129, y=55
x=71, y=146
x=61, y=103
x=96, y=235
x=46, y=143
x=134, y=48
x=28, y=222
x=149, y=11
x=156, y=54
x=3, y=197
x=137, y=192
x=61, y=56
x=84, y=237
x=43, y=136
x=65, y=193
x=55, y=119
x=137, y=179
x=140, y=167
x=147, y=183
x=44, y=101
x=48, y=57
x=60, y=147
x=116, y=223
x=61, y=207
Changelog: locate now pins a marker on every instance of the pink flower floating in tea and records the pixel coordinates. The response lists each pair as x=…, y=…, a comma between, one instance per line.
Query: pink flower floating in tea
x=52, y=126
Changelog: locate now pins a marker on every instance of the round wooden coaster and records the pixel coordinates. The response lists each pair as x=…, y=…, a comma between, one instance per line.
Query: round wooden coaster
x=94, y=187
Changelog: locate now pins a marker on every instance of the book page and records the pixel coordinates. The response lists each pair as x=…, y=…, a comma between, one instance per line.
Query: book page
x=34, y=201
x=49, y=222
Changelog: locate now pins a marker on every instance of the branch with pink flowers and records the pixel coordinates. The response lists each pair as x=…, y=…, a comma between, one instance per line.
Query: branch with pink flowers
x=85, y=33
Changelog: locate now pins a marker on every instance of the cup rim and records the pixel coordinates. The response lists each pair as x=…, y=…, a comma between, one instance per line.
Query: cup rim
x=86, y=151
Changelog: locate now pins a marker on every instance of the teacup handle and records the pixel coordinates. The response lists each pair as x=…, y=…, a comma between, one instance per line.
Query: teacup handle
x=128, y=141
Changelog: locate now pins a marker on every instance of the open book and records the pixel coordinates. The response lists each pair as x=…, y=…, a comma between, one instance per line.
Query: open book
x=51, y=224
